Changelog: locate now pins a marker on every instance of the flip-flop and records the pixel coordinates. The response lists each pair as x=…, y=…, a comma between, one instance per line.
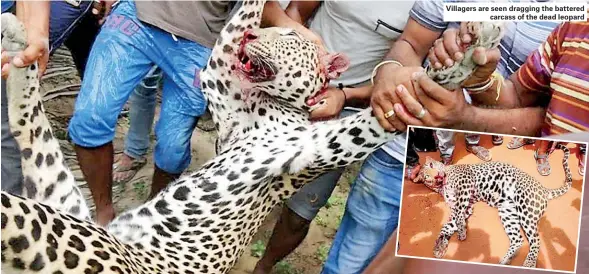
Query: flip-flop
x=518, y=142
x=479, y=152
x=130, y=172
x=497, y=140
x=542, y=166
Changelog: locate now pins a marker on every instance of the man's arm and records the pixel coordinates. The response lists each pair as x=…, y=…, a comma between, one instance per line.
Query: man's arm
x=35, y=17
x=410, y=50
x=502, y=121
x=295, y=16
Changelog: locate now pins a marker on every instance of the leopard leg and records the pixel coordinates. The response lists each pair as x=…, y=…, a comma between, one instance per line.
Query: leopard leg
x=530, y=226
x=511, y=223
x=441, y=245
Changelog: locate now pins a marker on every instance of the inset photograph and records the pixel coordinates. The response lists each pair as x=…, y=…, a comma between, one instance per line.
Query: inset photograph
x=492, y=199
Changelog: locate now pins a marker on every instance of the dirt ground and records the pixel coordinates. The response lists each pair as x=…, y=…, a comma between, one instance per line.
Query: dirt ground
x=60, y=86
x=424, y=212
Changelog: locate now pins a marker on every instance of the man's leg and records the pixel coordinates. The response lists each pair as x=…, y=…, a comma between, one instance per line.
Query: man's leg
x=294, y=222
x=386, y=261
x=182, y=103
x=446, y=145
x=80, y=41
x=11, y=165
x=541, y=155
x=371, y=215
x=116, y=65
x=141, y=114
x=412, y=159
x=472, y=146
x=173, y=133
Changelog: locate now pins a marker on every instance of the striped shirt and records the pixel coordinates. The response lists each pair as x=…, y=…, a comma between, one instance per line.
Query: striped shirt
x=560, y=67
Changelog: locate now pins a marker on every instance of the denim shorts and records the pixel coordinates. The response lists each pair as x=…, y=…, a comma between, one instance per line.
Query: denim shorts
x=371, y=215
x=124, y=52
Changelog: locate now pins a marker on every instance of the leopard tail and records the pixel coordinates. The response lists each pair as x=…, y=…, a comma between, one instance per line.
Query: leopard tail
x=555, y=193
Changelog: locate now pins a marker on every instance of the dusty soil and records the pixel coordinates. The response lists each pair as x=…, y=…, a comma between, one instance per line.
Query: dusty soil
x=424, y=212
x=60, y=86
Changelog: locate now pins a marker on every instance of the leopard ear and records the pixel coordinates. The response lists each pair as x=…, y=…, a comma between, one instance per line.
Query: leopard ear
x=428, y=159
x=335, y=64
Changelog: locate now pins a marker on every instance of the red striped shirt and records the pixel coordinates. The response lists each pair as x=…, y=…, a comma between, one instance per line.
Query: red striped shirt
x=560, y=67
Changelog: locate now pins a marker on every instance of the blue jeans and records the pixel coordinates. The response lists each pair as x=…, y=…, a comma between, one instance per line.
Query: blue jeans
x=371, y=216
x=125, y=51
x=141, y=114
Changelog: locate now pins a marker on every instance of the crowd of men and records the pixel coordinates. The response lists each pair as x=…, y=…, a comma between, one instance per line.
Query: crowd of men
x=125, y=50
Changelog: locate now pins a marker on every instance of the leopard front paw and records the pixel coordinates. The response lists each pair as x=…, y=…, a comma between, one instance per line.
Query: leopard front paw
x=529, y=263
x=441, y=247
x=462, y=235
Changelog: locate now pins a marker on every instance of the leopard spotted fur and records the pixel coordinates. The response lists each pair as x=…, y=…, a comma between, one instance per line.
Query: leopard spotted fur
x=519, y=197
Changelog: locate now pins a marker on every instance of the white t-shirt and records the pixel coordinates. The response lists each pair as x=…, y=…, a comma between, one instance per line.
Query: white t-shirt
x=364, y=31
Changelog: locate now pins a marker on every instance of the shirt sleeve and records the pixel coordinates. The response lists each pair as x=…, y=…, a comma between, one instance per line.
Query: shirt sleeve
x=429, y=14
x=535, y=74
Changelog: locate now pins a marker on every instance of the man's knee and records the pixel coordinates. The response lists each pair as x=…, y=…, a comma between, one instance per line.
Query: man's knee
x=87, y=128
x=172, y=155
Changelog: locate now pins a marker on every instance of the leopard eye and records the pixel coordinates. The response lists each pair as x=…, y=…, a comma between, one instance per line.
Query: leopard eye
x=431, y=165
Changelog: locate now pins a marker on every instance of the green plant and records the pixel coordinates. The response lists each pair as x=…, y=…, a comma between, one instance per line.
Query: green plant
x=320, y=221
x=258, y=249
x=284, y=267
x=140, y=187
x=321, y=252
x=333, y=201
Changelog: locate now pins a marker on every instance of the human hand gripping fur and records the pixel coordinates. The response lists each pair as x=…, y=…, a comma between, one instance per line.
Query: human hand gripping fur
x=436, y=103
x=36, y=44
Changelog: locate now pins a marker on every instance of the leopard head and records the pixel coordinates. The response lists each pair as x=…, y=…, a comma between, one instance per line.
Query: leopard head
x=286, y=66
x=431, y=174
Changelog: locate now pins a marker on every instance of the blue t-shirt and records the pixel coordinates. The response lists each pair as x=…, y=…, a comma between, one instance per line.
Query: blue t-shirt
x=6, y=5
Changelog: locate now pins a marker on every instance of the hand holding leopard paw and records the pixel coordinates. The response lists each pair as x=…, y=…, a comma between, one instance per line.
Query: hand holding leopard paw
x=327, y=104
x=451, y=48
x=434, y=107
x=384, y=97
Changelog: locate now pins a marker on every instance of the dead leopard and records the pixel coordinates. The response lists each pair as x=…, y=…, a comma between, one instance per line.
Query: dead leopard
x=520, y=199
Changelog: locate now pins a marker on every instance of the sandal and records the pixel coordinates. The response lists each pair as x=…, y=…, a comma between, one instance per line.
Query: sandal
x=542, y=166
x=126, y=173
x=497, y=140
x=518, y=142
x=481, y=152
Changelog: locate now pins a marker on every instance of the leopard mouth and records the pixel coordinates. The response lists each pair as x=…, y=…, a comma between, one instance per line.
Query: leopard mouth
x=255, y=68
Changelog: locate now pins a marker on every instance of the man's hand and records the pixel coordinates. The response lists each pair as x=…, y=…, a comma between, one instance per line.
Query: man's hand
x=383, y=94
x=439, y=107
x=334, y=101
x=310, y=35
x=37, y=50
x=101, y=9
x=451, y=47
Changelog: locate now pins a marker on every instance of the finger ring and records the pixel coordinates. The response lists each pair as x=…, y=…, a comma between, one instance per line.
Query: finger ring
x=389, y=114
x=421, y=113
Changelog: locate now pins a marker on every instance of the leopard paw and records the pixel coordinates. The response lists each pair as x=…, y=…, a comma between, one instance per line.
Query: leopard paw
x=441, y=247
x=529, y=263
x=462, y=235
